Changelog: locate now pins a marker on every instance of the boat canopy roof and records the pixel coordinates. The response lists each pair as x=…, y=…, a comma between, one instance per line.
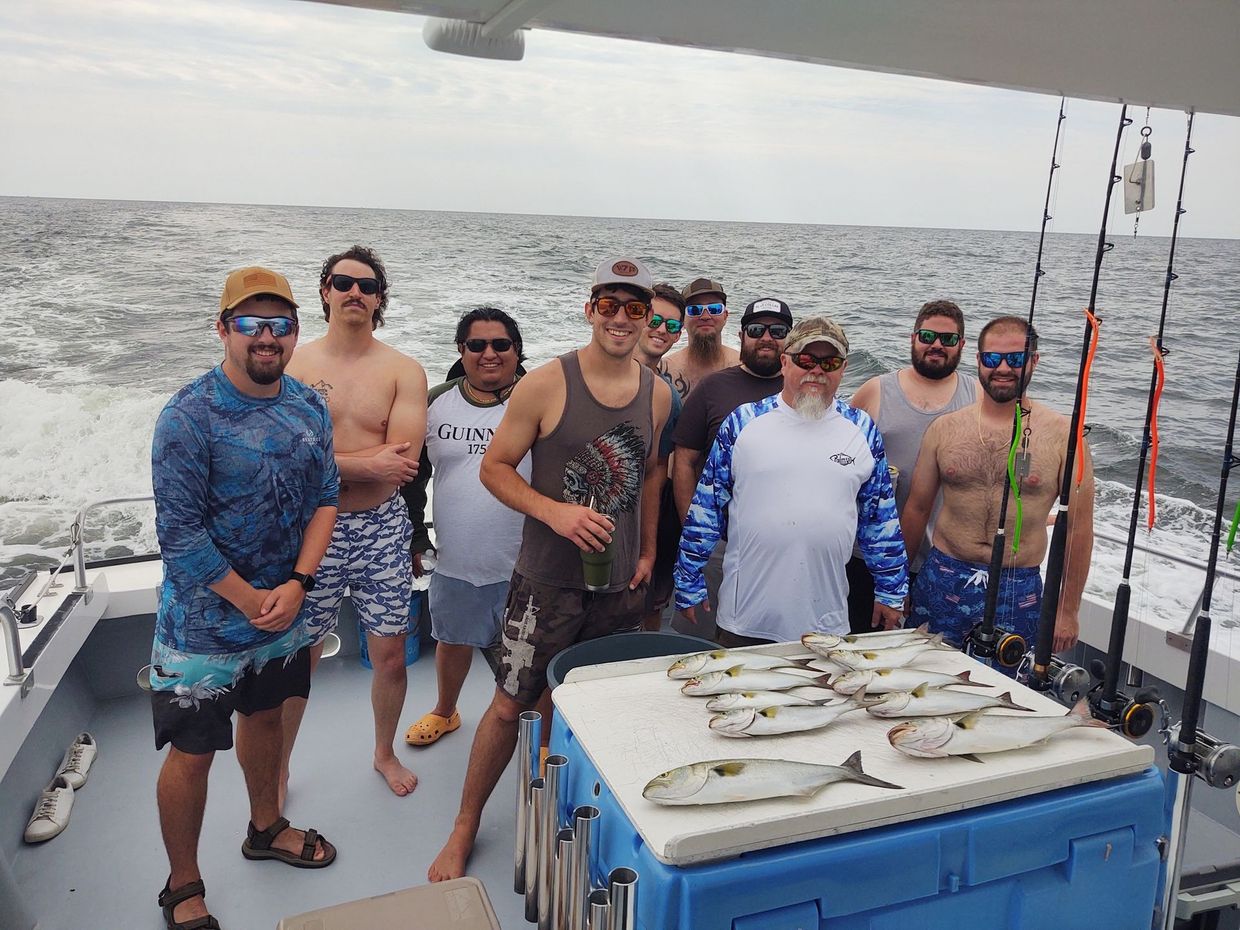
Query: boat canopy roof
x=1177, y=55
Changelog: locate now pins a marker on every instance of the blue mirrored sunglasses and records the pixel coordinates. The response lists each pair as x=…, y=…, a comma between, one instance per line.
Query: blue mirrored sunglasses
x=699, y=309
x=992, y=359
x=253, y=325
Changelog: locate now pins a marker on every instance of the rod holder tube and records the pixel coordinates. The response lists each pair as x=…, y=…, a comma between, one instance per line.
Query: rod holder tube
x=561, y=883
x=622, y=890
x=585, y=857
x=12, y=646
x=599, y=904
x=533, y=825
x=529, y=735
x=553, y=785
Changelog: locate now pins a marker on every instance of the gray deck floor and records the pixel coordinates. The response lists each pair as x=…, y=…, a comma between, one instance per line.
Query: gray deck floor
x=106, y=869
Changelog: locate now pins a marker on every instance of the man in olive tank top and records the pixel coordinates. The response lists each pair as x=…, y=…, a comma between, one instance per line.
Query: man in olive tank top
x=590, y=420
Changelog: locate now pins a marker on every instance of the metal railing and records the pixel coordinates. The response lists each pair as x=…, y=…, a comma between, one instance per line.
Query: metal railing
x=76, y=541
x=12, y=639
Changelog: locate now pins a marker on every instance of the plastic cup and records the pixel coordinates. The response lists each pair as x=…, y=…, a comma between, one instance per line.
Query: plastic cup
x=596, y=567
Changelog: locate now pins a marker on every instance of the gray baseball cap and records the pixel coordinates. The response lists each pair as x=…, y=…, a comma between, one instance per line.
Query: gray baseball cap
x=628, y=272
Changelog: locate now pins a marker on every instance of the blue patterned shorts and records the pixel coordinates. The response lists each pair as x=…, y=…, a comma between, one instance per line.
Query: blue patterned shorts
x=368, y=556
x=951, y=596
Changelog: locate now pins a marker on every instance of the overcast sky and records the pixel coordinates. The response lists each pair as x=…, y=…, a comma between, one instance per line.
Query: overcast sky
x=277, y=101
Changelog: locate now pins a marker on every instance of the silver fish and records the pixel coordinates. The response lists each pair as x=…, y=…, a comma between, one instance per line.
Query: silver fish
x=739, y=678
x=896, y=657
x=924, y=701
x=772, y=721
x=886, y=680
x=730, y=780
x=967, y=736
x=739, y=700
x=822, y=643
x=720, y=660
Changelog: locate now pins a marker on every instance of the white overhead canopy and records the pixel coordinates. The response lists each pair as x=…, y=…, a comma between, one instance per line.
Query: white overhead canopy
x=1177, y=54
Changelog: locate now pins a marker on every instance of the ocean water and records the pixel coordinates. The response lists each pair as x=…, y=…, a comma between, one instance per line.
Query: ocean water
x=107, y=308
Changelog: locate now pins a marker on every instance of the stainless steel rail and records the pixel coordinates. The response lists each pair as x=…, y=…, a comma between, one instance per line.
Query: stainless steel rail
x=1198, y=564
x=12, y=643
x=76, y=541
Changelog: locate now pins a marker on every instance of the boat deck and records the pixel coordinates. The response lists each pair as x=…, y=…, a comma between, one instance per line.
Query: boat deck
x=107, y=867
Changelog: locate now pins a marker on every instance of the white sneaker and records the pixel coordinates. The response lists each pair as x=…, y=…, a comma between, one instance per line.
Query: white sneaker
x=79, y=757
x=51, y=814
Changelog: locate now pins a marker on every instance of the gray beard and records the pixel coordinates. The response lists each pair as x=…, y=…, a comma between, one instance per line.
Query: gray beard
x=811, y=406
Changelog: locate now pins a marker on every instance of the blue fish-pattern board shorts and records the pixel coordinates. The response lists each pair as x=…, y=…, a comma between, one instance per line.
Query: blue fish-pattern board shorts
x=368, y=556
x=193, y=696
x=950, y=595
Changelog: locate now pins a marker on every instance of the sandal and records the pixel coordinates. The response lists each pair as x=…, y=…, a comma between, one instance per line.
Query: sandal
x=258, y=842
x=169, y=898
x=431, y=727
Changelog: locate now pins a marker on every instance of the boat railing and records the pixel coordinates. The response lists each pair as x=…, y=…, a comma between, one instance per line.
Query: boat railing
x=9, y=621
x=77, y=537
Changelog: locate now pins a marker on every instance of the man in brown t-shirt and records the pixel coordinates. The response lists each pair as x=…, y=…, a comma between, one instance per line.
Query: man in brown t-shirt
x=590, y=420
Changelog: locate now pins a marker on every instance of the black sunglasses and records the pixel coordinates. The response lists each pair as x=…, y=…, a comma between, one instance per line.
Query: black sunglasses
x=478, y=346
x=927, y=337
x=777, y=330
x=344, y=283
x=673, y=326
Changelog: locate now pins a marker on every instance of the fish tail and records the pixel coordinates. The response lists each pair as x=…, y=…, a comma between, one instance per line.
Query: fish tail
x=822, y=681
x=853, y=766
x=964, y=680
x=1081, y=715
x=1005, y=699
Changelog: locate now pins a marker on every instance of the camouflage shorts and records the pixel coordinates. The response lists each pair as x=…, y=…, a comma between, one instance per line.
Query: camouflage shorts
x=540, y=620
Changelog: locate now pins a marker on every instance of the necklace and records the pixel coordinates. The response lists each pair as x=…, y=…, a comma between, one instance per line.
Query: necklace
x=499, y=395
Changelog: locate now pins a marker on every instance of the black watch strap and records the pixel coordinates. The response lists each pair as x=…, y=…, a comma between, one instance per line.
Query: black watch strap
x=307, y=581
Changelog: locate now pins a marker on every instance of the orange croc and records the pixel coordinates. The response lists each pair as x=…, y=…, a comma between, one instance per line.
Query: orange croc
x=431, y=727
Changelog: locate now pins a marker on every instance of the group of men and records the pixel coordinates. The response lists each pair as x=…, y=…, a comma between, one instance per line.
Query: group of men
x=279, y=484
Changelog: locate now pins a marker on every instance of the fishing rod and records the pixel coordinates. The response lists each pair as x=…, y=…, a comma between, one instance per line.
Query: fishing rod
x=984, y=641
x=1191, y=752
x=1040, y=679
x=1135, y=717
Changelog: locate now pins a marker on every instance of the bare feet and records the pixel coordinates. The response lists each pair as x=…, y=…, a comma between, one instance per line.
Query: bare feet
x=450, y=863
x=399, y=779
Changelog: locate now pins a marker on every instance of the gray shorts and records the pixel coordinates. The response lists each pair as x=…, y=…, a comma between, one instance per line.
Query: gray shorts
x=463, y=614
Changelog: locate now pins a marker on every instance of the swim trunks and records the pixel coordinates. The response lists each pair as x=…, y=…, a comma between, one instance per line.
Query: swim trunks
x=950, y=595
x=193, y=696
x=464, y=614
x=368, y=555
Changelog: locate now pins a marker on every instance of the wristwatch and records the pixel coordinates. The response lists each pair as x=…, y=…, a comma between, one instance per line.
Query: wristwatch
x=307, y=581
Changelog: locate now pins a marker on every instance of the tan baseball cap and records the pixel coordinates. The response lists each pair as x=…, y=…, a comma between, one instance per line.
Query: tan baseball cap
x=247, y=282
x=703, y=286
x=816, y=329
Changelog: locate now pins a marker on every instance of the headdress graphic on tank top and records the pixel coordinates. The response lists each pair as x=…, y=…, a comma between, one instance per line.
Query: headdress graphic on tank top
x=609, y=469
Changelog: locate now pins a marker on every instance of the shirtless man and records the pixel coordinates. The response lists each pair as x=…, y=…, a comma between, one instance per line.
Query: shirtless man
x=706, y=314
x=965, y=454
x=591, y=419
x=903, y=404
x=377, y=400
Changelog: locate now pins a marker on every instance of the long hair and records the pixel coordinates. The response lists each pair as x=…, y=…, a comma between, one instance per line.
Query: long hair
x=358, y=253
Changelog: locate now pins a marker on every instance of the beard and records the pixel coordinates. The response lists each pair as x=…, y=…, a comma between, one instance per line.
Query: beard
x=763, y=367
x=265, y=370
x=705, y=345
x=812, y=405
x=935, y=369
x=1001, y=393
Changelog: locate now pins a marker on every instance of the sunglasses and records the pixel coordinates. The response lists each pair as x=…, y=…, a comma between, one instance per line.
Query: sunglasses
x=699, y=309
x=809, y=361
x=777, y=330
x=927, y=337
x=633, y=309
x=344, y=283
x=673, y=326
x=253, y=325
x=992, y=359
x=478, y=346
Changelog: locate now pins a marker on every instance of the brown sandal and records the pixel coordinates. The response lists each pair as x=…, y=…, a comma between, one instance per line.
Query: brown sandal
x=169, y=898
x=258, y=842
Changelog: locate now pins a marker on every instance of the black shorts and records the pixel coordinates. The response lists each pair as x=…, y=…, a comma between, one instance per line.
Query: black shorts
x=541, y=619
x=197, y=718
x=668, y=548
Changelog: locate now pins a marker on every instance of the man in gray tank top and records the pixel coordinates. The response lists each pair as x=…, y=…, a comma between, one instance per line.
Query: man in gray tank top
x=590, y=420
x=903, y=404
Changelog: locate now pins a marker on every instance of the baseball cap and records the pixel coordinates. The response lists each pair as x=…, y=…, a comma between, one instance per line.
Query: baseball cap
x=703, y=286
x=767, y=306
x=625, y=271
x=246, y=282
x=816, y=329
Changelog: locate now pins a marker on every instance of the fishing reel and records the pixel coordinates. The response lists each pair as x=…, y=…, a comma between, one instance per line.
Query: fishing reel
x=1068, y=682
x=1135, y=716
x=998, y=647
x=1218, y=763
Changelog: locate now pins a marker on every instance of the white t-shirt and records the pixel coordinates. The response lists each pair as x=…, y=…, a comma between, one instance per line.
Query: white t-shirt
x=476, y=536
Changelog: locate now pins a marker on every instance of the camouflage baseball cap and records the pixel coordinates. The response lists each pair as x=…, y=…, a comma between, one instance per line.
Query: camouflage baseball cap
x=816, y=329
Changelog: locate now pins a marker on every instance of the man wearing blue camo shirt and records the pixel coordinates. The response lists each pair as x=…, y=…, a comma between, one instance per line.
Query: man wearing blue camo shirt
x=793, y=479
x=246, y=488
